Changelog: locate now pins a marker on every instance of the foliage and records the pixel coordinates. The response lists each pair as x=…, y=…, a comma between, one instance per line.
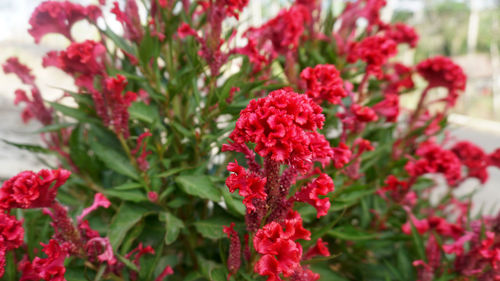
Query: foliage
x=283, y=156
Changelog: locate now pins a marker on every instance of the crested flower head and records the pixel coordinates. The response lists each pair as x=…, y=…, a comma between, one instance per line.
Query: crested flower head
x=283, y=126
x=323, y=83
x=32, y=190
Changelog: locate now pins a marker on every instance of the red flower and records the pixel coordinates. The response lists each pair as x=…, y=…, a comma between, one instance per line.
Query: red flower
x=280, y=253
x=99, y=201
x=389, y=107
x=396, y=188
x=434, y=159
x=341, y=155
x=118, y=104
x=141, y=147
x=32, y=190
x=474, y=158
x=234, y=259
x=12, y=65
x=130, y=20
x=399, y=78
x=402, y=33
x=364, y=113
x=250, y=185
x=234, y=7
x=374, y=51
x=283, y=31
x=283, y=126
x=59, y=17
x=35, y=107
x=323, y=83
x=319, y=249
x=50, y=268
x=494, y=158
x=441, y=71
x=310, y=194
x=11, y=236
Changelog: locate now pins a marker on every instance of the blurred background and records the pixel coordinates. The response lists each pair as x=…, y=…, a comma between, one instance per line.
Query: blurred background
x=466, y=30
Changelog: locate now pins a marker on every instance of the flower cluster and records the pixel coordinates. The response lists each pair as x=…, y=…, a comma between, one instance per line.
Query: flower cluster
x=441, y=71
x=283, y=128
x=323, y=83
x=59, y=17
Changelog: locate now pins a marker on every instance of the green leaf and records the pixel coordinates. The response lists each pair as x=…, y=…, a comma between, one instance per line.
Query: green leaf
x=118, y=40
x=199, y=186
x=173, y=226
x=212, y=228
x=143, y=112
x=29, y=147
x=114, y=160
x=128, y=186
x=72, y=112
x=349, y=232
x=127, y=195
x=417, y=240
x=127, y=216
x=127, y=262
x=234, y=205
x=54, y=127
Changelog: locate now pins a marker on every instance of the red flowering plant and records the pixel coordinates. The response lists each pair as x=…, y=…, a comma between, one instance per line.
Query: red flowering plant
x=212, y=152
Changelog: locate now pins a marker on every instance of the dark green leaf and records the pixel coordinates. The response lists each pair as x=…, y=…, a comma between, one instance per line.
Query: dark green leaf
x=127, y=216
x=212, y=228
x=173, y=226
x=114, y=160
x=199, y=186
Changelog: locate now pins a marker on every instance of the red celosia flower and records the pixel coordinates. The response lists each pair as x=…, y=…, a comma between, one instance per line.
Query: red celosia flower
x=99, y=201
x=319, y=249
x=341, y=155
x=280, y=125
x=166, y=271
x=258, y=60
x=402, y=33
x=81, y=60
x=11, y=237
x=34, y=106
x=368, y=9
x=494, y=158
x=399, y=77
x=141, y=147
x=389, y=107
x=364, y=113
x=234, y=259
x=101, y=249
x=434, y=159
x=323, y=83
x=130, y=20
x=310, y=194
x=304, y=274
x=457, y=247
x=32, y=190
x=473, y=158
x=50, y=268
x=234, y=7
x=283, y=31
x=441, y=71
x=396, y=188
x=251, y=186
x=280, y=253
x=12, y=65
x=422, y=226
x=118, y=104
x=374, y=51
x=59, y=17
